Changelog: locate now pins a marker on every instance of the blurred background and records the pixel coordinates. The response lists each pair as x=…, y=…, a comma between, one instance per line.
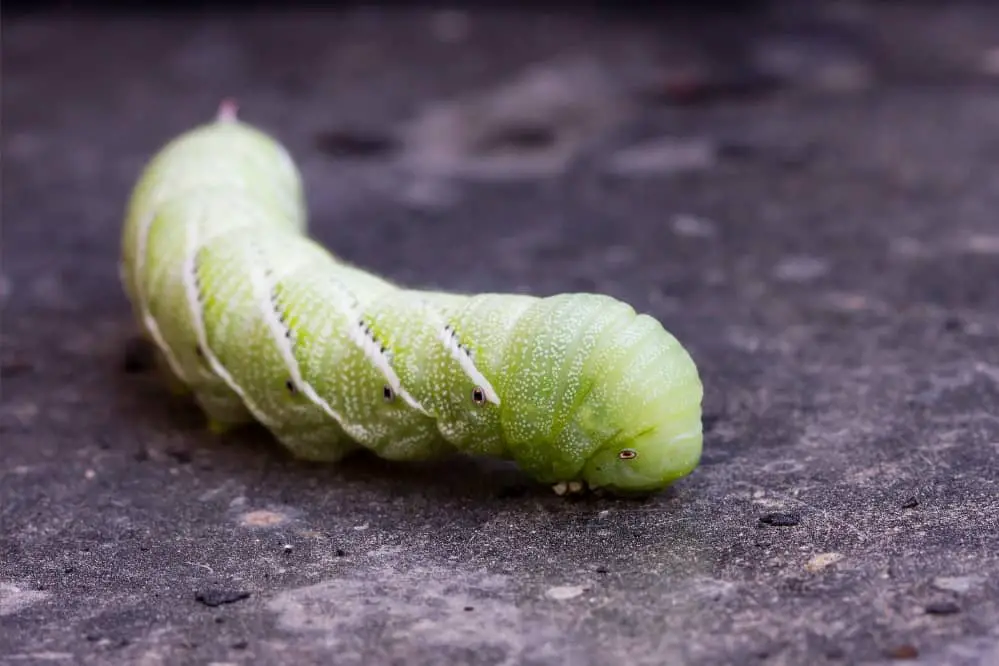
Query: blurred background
x=804, y=193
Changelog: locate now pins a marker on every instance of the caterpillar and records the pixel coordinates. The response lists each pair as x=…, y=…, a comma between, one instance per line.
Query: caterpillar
x=257, y=321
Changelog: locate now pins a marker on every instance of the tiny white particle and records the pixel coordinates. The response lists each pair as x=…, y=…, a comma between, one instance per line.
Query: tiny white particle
x=564, y=592
x=990, y=61
x=959, y=584
x=800, y=268
x=693, y=226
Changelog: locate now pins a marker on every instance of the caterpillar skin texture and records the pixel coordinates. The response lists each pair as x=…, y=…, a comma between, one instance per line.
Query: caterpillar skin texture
x=258, y=321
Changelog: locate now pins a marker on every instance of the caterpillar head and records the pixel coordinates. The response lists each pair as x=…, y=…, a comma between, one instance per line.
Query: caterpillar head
x=648, y=462
x=645, y=415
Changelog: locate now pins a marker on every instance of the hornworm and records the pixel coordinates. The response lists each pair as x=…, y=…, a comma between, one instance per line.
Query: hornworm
x=258, y=321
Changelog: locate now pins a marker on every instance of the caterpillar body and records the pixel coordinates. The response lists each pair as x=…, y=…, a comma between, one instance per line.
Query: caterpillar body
x=258, y=321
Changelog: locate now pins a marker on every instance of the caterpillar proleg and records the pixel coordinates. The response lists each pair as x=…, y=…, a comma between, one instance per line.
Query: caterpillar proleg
x=258, y=321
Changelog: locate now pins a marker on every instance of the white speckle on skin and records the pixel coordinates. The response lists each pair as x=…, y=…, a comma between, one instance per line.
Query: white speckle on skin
x=196, y=309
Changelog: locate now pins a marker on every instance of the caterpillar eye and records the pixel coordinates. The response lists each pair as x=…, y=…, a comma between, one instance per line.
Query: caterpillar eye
x=290, y=385
x=388, y=393
x=627, y=454
x=478, y=396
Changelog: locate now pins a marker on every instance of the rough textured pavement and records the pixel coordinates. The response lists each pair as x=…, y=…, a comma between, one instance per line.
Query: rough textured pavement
x=825, y=241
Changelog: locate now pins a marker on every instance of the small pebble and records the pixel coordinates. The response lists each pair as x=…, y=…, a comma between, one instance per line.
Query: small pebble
x=181, y=456
x=14, y=367
x=953, y=324
x=262, y=518
x=800, y=269
x=663, y=155
x=821, y=561
x=990, y=61
x=959, y=584
x=215, y=597
x=780, y=519
x=564, y=592
x=693, y=227
x=904, y=651
x=982, y=244
x=356, y=144
x=942, y=608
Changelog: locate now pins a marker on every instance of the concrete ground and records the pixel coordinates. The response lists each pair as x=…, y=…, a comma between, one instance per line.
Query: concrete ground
x=807, y=199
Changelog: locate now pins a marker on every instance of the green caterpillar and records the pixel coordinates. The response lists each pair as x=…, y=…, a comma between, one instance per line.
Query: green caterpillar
x=260, y=322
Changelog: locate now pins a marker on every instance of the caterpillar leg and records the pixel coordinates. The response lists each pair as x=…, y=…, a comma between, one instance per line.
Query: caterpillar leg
x=569, y=488
x=222, y=412
x=317, y=445
x=216, y=427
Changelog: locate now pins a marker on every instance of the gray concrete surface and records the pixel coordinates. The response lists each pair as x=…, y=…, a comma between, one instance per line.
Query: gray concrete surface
x=829, y=251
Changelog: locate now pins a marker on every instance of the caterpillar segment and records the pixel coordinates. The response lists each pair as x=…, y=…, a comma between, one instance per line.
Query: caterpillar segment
x=261, y=323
